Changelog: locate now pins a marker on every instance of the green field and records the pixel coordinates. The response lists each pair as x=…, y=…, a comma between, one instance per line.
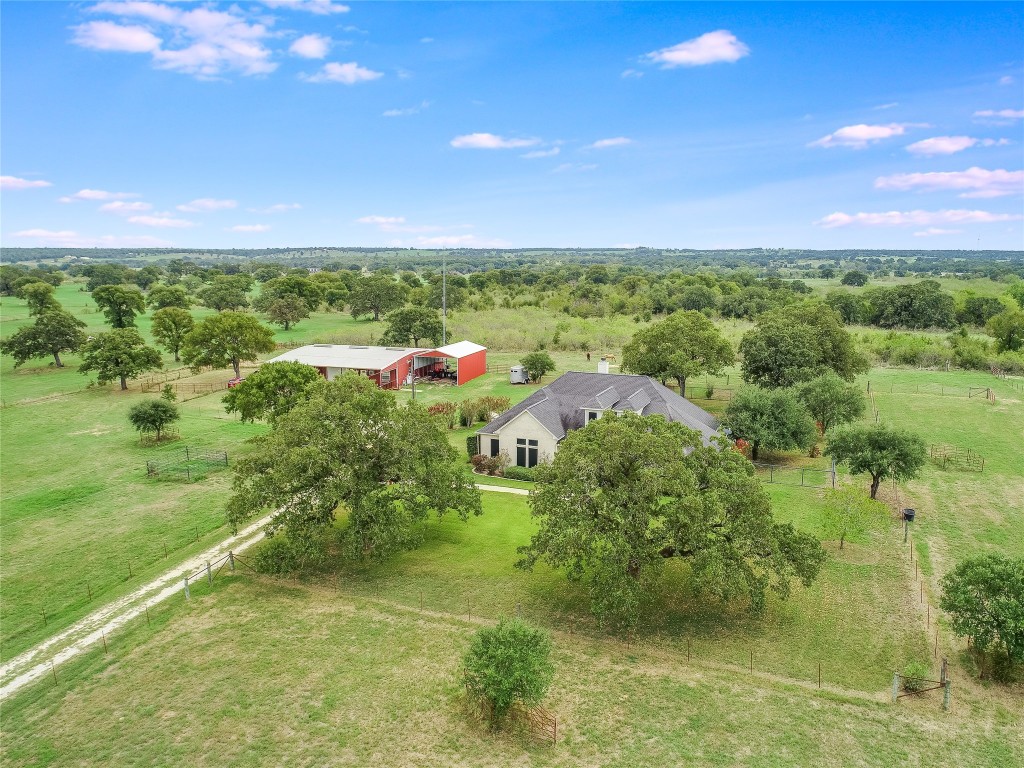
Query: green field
x=261, y=671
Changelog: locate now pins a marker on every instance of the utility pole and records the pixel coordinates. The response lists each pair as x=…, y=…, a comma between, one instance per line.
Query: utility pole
x=444, y=298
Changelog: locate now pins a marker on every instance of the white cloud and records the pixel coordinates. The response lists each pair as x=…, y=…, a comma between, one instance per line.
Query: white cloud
x=859, y=136
x=13, y=182
x=277, y=208
x=426, y=39
x=122, y=208
x=349, y=74
x=948, y=145
x=631, y=73
x=248, y=228
x=197, y=41
x=490, y=141
x=974, y=182
x=936, y=231
x=71, y=239
x=108, y=36
x=407, y=111
x=161, y=221
x=913, y=218
x=709, y=48
x=96, y=194
x=311, y=46
x=618, y=141
x=890, y=105
x=1006, y=80
x=542, y=153
x=941, y=145
x=381, y=220
x=1008, y=114
x=205, y=204
x=319, y=7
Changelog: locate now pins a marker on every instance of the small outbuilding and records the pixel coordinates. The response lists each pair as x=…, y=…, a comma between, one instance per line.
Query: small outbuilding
x=391, y=367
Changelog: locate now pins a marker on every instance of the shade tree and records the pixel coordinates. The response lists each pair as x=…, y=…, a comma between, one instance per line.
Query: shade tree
x=628, y=493
x=163, y=296
x=271, y=391
x=349, y=449
x=53, y=332
x=412, y=324
x=772, y=419
x=170, y=326
x=287, y=311
x=984, y=598
x=879, y=450
x=153, y=416
x=119, y=304
x=376, y=295
x=119, y=354
x=537, y=364
x=226, y=338
x=682, y=345
x=39, y=297
x=831, y=401
x=1007, y=328
x=798, y=343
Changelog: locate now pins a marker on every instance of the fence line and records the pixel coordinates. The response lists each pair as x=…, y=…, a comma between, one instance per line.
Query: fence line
x=806, y=477
x=189, y=461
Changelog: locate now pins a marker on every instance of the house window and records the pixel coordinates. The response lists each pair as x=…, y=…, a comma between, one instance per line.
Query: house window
x=527, y=452
x=591, y=415
x=495, y=446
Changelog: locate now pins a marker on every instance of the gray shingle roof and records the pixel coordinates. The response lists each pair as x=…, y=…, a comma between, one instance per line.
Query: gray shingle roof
x=561, y=405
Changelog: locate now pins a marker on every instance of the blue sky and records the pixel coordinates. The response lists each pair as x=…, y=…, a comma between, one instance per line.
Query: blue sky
x=283, y=123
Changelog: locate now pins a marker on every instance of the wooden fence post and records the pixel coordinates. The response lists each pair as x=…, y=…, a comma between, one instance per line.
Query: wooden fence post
x=895, y=686
x=209, y=573
x=231, y=560
x=187, y=595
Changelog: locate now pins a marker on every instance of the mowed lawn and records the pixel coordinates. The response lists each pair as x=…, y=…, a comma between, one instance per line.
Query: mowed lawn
x=259, y=672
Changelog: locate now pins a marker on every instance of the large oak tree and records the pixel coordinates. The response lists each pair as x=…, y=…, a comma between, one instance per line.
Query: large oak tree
x=226, y=338
x=351, y=451
x=685, y=344
x=625, y=495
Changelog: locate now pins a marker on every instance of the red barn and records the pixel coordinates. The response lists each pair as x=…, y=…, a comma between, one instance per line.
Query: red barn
x=390, y=366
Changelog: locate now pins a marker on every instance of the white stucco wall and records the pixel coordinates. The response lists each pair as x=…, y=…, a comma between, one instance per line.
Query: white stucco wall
x=524, y=426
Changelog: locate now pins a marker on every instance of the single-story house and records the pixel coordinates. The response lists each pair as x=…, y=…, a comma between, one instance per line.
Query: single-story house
x=390, y=367
x=529, y=433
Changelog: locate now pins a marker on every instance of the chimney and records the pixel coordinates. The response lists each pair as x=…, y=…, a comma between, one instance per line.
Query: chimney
x=602, y=365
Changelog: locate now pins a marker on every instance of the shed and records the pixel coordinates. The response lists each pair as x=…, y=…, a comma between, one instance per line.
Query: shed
x=470, y=359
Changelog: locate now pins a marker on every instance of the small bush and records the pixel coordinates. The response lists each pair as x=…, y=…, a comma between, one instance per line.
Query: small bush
x=282, y=554
x=528, y=474
x=478, y=461
x=469, y=411
x=472, y=446
x=445, y=412
x=915, y=676
x=508, y=664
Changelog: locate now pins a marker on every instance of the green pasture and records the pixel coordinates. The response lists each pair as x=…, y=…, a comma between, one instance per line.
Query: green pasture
x=78, y=510
x=258, y=672
x=264, y=671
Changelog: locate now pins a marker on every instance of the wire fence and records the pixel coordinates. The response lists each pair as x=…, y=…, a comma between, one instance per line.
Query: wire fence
x=188, y=462
x=805, y=477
